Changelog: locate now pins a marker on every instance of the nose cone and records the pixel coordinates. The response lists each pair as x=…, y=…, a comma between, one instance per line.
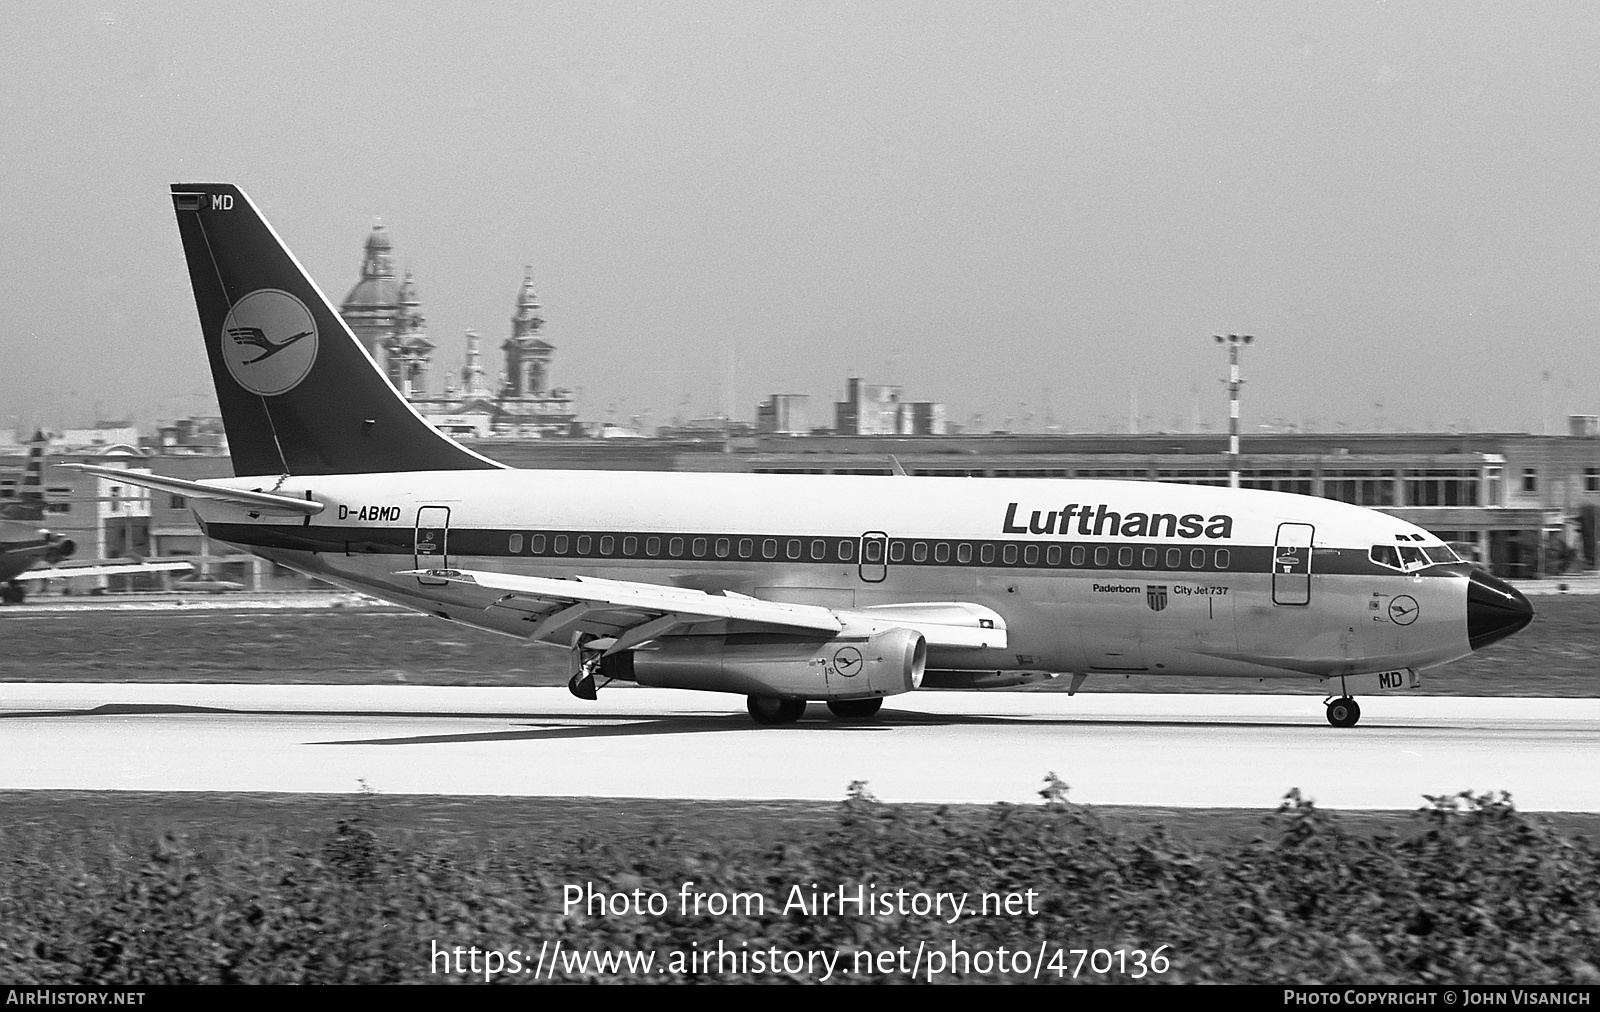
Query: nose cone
x=1495, y=610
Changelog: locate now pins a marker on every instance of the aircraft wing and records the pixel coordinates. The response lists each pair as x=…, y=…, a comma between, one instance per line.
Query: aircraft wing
x=634, y=613
x=264, y=503
x=109, y=569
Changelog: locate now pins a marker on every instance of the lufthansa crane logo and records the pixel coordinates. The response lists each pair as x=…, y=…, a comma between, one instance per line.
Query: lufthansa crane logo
x=269, y=342
x=1403, y=610
x=847, y=661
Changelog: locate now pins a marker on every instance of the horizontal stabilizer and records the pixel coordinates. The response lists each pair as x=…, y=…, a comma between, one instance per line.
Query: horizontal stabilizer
x=265, y=503
x=115, y=569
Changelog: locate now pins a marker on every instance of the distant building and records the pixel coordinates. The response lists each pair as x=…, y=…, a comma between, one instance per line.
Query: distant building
x=922, y=418
x=871, y=409
x=783, y=415
x=200, y=436
x=386, y=317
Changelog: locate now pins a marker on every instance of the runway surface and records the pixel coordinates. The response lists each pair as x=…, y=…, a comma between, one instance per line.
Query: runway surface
x=944, y=747
x=1183, y=750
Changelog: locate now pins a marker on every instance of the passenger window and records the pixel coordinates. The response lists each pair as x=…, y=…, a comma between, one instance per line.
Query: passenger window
x=1151, y=557
x=941, y=552
x=608, y=544
x=652, y=547
x=630, y=546
x=897, y=551
x=747, y=548
x=1102, y=556
x=561, y=544
x=819, y=550
x=1124, y=557
x=1052, y=555
x=724, y=547
x=963, y=553
x=792, y=549
x=675, y=548
x=1197, y=559
x=1009, y=553
x=769, y=548
x=1174, y=558
x=515, y=545
x=537, y=544
x=1030, y=555
x=1223, y=557
x=1078, y=555
x=847, y=551
x=584, y=543
x=698, y=548
x=986, y=554
x=919, y=552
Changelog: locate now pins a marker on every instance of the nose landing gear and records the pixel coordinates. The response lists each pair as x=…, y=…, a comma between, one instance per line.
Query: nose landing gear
x=1343, y=712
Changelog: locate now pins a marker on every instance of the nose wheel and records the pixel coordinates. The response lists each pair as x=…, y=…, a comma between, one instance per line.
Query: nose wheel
x=1343, y=712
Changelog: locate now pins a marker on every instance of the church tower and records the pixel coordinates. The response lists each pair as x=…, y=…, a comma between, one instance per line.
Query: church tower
x=472, y=372
x=409, y=351
x=373, y=304
x=527, y=354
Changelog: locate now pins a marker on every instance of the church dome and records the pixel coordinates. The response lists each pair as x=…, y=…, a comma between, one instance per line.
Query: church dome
x=377, y=288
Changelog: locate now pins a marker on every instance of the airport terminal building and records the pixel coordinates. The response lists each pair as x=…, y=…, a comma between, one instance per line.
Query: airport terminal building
x=1523, y=505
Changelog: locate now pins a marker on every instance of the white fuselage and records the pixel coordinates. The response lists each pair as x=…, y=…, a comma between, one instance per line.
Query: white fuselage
x=1090, y=576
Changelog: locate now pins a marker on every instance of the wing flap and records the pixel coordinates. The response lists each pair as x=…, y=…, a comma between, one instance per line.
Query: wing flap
x=557, y=607
x=635, y=613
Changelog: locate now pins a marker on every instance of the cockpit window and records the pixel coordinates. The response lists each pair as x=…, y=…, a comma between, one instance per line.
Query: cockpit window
x=1411, y=556
x=1385, y=555
x=1441, y=554
x=1408, y=558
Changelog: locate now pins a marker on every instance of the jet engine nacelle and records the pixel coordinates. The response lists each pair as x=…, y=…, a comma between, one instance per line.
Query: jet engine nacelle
x=60, y=548
x=883, y=664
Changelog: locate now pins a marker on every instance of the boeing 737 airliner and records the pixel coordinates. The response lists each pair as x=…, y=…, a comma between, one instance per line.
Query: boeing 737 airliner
x=788, y=588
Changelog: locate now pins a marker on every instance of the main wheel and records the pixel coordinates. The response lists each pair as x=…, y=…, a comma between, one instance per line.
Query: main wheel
x=855, y=709
x=1343, y=712
x=12, y=593
x=776, y=709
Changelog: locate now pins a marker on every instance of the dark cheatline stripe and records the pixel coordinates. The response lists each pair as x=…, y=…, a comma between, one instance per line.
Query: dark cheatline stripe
x=1128, y=557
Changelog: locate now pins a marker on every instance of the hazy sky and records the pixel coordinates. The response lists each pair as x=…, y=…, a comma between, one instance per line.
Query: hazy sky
x=1028, y=211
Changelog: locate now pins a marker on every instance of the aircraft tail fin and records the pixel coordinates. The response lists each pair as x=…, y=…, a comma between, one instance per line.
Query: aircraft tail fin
x=29, y=503
x=299, y=394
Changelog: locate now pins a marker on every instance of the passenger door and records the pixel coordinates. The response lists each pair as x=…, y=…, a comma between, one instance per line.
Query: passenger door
x=1291, y=565
x=431, y=549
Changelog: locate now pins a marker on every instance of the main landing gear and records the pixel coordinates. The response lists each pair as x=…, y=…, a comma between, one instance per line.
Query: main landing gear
x=784, y=710
x=1343, y=712
x=12, y=593
x=582, y=683
x=856, y=709
x=776, y=709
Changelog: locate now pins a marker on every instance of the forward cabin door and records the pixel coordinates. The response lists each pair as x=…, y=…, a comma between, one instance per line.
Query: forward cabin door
x=432, y=547
x=1291, y=565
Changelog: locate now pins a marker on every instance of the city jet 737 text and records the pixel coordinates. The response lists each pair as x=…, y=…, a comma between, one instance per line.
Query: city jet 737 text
x=788, y=588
